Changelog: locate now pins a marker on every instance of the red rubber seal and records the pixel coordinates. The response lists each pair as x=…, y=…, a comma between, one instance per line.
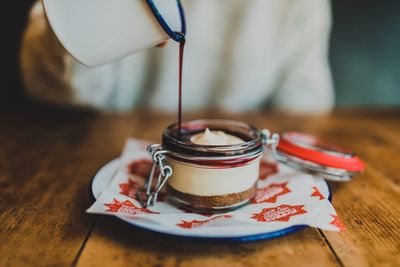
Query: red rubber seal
x=290, y=145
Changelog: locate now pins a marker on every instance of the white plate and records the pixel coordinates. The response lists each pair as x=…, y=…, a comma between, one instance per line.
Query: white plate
x=104, y=176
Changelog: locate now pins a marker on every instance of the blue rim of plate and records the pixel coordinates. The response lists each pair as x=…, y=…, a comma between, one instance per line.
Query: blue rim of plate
x=199, y=239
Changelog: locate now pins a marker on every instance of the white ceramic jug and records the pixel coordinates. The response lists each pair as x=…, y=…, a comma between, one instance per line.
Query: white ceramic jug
x=97, y=32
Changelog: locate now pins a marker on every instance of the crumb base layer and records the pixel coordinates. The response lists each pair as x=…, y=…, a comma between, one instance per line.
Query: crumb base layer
x=210, y=204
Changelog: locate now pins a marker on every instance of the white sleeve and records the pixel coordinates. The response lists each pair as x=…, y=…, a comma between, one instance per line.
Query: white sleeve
x=306, y=85
x=51, y=75
x=45, y=66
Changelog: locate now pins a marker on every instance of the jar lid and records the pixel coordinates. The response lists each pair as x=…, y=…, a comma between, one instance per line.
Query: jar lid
x=309, y=153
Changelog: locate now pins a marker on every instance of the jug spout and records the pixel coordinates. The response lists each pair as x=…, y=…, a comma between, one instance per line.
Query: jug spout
x=178, y=36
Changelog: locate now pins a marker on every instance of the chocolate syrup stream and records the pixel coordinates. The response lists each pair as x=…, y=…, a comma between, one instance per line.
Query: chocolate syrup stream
x=181, y=50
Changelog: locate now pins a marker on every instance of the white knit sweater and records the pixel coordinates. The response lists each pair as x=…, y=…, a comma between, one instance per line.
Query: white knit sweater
x=239, y=56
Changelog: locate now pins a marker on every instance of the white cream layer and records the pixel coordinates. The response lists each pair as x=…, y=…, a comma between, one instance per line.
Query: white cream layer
x=203, y=181
x=215, y=138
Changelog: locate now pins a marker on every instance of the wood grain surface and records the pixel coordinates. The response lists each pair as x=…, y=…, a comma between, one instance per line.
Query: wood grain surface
x=48, y=157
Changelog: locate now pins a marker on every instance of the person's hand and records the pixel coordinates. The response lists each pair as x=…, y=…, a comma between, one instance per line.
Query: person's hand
x=162, y=44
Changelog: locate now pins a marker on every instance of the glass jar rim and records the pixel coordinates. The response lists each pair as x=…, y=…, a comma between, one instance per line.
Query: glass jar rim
x=180, y=144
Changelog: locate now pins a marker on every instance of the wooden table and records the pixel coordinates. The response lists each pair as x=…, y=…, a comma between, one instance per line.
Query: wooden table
x=47, y=160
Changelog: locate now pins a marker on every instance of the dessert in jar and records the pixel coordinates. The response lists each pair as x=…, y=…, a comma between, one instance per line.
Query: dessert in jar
x=213, y=165
x=209, y=165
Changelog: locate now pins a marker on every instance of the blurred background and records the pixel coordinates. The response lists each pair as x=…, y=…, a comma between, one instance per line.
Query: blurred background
x=364, y=53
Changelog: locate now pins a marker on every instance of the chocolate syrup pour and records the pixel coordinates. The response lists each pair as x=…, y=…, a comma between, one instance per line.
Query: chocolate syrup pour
x=181, y=50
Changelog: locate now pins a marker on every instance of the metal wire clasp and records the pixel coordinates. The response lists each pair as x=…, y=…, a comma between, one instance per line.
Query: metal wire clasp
x=272, y=143
x=145, y=195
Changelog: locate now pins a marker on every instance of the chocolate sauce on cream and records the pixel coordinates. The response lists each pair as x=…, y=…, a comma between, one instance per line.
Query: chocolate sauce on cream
x=216, y=138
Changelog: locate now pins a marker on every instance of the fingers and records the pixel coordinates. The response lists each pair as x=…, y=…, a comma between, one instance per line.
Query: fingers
x=162, y=44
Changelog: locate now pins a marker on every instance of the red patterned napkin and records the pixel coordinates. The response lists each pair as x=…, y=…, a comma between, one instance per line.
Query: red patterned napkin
x=285, y=197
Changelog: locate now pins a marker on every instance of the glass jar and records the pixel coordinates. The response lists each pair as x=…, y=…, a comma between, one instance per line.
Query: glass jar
x=209, y=178
x=219, y=178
